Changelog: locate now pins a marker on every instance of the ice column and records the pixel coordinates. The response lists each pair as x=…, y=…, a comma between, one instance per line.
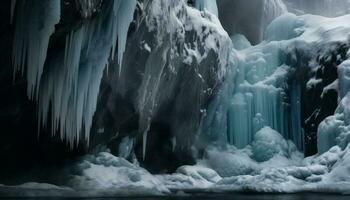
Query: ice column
x=262, y=98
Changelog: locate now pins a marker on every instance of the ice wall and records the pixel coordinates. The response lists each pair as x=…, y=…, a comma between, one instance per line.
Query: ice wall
x=261, y=91
x=263, y=97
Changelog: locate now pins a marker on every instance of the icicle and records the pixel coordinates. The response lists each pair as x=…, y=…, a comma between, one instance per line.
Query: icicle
x=144, y=144
x=13, y=7
x=72, y=81
x=123, y=14
x=35, y=22
x=173, y=143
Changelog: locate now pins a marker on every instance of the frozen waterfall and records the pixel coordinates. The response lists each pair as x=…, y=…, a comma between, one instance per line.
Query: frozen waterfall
x=262, y=97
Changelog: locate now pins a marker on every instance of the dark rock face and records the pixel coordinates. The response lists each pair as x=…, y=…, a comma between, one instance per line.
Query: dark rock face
x=176, y=104
x=318, y=103
x=179, y=95
x=315, y=74
x=249, y=18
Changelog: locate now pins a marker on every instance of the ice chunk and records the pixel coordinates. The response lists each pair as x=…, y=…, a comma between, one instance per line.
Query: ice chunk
x=240, y=42
x=268, y=143
x=208, y=5
x=230, y=162
x=284, y=27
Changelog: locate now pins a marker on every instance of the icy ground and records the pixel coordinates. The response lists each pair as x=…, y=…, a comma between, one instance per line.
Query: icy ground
x=280, y=169
x=268, y=164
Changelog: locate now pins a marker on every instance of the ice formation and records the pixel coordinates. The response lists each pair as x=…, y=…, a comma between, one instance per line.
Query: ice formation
x=71, y=84
x=34, y=24
x=253, y=124
x=208, y=5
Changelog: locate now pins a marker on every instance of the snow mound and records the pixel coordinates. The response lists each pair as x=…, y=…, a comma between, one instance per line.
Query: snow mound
x=230, y=161
x=268, y=143
x=109, y=174
x=190, y=177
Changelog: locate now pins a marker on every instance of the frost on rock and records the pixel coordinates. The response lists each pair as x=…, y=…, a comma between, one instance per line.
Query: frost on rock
x=186, y=42
x=34, y=23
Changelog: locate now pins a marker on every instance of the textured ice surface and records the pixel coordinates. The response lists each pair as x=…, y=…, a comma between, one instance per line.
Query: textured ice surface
x=207, y=5
x=240, y=42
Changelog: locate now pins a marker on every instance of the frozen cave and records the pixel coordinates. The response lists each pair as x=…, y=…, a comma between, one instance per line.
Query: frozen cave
x=110, y=98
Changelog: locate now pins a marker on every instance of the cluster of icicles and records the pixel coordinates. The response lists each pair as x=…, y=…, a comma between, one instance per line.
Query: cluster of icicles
x=69, y=85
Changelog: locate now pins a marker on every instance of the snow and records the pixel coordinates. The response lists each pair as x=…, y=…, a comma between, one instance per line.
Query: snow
x=105, y=173
x=313, y=83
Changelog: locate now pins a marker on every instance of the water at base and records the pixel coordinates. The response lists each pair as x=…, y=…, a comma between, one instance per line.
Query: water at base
x=233, y=196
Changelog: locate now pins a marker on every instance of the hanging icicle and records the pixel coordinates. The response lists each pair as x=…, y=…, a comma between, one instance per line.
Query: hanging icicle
x=34, y=24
